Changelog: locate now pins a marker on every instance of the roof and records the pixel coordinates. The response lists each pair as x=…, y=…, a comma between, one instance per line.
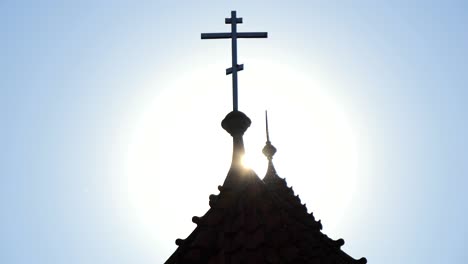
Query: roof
x=252, y=221
x=279, y=187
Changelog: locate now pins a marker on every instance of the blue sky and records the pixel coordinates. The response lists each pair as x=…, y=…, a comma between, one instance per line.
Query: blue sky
x=75, y=75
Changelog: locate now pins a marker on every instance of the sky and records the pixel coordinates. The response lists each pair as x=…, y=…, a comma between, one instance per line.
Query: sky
x=111, y=111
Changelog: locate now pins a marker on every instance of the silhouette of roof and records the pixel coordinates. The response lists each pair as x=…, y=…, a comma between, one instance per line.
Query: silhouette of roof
x=252, y=221
x=279, y=187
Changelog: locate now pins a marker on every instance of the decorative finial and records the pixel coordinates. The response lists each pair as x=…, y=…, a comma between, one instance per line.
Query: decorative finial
x=268, y=150
x=234, y=35
x=236, y=123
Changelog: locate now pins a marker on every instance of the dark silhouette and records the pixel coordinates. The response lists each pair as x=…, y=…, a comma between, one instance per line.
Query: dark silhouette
x=250, y=220
x=279, y=186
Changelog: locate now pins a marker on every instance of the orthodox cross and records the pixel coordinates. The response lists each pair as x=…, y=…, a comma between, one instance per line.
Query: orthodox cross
x=234, y=35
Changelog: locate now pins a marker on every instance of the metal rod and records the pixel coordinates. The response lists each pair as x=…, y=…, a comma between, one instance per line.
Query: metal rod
x=266, y=122
x=215, y=35
x=252, y=35
x=234, y=59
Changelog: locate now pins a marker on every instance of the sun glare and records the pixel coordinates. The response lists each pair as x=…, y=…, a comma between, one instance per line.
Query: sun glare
x=247, y=162
x=178, y=153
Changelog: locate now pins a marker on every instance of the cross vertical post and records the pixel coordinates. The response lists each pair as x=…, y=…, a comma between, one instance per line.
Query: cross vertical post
x=234, y=35
x=234, y=58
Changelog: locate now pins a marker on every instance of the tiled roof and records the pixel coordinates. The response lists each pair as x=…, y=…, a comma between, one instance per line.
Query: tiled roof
x=250, y=224
x=279, y=187
x=251, y=221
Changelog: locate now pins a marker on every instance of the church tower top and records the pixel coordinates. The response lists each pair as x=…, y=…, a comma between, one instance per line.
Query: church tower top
x=250, y=220
x=236, y=122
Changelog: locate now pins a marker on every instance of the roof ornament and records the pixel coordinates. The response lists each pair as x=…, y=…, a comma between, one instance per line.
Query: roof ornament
x=269, y=151
x=234, y=35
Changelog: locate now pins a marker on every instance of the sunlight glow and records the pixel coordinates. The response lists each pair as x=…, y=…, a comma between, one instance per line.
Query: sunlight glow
x=246, y=163
x=179, y=154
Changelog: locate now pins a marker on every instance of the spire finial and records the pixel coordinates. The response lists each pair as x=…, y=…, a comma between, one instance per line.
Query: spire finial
x=234, y=35
x=266, y=122
x=268, y=150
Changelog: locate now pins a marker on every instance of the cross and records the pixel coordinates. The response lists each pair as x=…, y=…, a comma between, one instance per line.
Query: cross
x=234, y=35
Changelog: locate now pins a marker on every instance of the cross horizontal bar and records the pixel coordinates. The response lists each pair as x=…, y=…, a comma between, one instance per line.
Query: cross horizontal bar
x=252, y=35
x=215, y=35
x=239, y=68
x=239, y=35
x=229, y=20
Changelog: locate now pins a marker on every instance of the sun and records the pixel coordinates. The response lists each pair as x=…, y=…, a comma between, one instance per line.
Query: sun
x=178, y=153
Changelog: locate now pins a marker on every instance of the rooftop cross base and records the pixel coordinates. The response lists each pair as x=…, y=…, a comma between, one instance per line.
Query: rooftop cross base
x=236, y=123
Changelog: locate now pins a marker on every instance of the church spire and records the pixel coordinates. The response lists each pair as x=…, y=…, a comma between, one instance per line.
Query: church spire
x=236, y=122
x=250, y=220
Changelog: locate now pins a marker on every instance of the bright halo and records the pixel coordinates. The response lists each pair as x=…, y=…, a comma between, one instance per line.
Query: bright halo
x=178, y=153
